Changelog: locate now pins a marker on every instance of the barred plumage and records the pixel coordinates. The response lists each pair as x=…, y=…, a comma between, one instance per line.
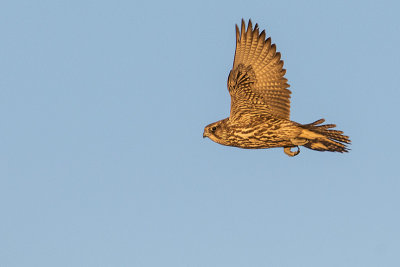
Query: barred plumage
x=260, y=103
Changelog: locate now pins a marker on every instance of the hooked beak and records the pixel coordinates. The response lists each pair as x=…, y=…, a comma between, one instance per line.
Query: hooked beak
x=204, y=134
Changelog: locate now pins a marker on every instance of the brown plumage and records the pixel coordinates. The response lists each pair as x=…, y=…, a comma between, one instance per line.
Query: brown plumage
x=260, y=103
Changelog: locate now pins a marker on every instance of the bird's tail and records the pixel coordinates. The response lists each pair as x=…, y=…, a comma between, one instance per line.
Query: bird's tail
x=321, y=138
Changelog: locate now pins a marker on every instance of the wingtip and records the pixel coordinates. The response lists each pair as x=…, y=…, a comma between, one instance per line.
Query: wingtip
x=237, y=33
x=249, y=26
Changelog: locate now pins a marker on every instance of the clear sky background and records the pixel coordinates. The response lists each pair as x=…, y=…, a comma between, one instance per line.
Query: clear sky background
x=102, y=160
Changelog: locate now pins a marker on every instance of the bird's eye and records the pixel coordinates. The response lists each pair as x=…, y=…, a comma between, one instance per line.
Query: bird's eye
x=213, y=128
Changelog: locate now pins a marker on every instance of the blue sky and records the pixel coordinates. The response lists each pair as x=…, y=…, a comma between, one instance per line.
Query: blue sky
x=102, y=160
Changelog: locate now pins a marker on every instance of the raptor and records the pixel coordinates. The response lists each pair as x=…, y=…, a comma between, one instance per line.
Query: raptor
x=260, y=103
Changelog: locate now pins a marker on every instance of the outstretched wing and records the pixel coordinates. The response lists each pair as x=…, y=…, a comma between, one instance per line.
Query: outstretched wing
x=256, y=82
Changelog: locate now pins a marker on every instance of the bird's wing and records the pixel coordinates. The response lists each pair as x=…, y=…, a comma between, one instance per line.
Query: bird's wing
x=256, y=82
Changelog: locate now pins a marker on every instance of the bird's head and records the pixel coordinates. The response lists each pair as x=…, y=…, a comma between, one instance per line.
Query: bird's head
x=217, y=131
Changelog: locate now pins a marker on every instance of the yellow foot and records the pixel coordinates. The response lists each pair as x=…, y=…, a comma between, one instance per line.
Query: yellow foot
x=290, y=153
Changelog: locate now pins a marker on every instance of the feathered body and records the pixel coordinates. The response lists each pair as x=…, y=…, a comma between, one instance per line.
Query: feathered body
x=260, y=103
x=262, y=132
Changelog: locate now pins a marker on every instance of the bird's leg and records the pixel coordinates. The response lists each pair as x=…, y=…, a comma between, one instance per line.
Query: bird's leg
x=299, y=141
x=290, y=153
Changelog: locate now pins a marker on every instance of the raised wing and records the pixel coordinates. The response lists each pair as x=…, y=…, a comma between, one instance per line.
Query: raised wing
x=256, y=82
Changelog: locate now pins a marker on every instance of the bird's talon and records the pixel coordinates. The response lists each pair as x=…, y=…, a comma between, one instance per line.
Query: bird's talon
x=290, y=153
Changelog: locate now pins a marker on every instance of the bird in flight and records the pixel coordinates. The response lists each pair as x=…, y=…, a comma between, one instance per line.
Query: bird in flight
x=260, y=105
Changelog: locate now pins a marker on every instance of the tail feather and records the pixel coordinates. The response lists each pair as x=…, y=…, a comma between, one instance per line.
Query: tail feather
x=322, y=138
